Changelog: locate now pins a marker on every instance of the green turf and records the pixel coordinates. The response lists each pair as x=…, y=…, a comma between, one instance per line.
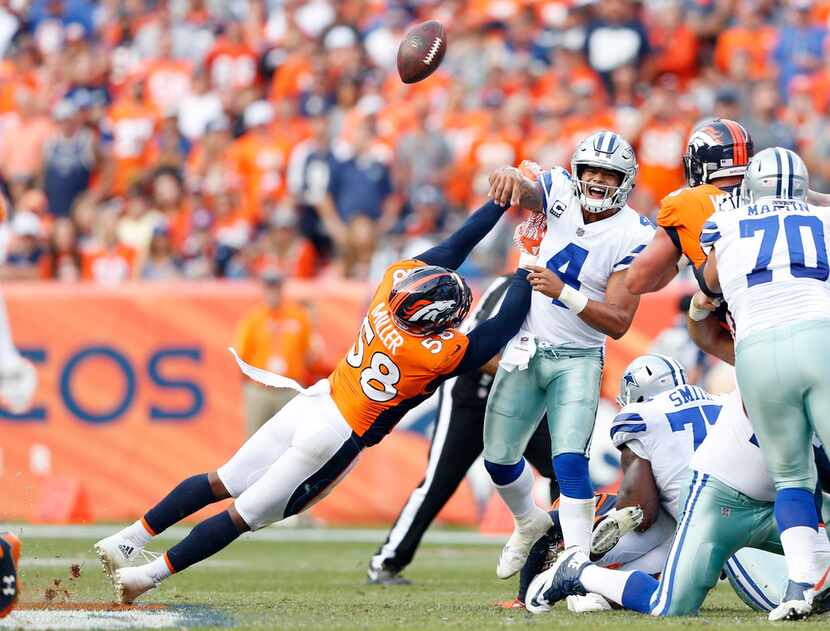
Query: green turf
x=266, y=585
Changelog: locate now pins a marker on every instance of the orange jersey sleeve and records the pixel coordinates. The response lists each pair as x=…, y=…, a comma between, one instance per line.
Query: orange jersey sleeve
x=388, y=371
x=684, y=213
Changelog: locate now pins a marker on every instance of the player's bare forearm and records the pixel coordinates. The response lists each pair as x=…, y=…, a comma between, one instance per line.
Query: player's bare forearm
x=638, y=487
x=712, y=338
x=818, y=199
x=509, y=186
x=613, y=316
x=613, y=320
x=655, y=267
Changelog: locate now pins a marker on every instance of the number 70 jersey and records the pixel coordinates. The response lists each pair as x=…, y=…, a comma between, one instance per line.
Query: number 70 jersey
x=772, y=262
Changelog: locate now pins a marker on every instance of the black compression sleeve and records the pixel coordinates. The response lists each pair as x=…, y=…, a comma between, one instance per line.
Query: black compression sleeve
x=488, y=338
x=454, y=249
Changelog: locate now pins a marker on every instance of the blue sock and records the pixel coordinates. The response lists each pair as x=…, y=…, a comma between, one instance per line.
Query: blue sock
x=188, y=497
x=795, y=507
x=502, y=474
x=639, y=588
x=573, y=477
x=206, y=539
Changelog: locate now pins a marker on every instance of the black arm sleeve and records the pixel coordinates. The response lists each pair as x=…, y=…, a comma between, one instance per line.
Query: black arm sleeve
x=454, y=249
x=823, y=468
x=488, y=338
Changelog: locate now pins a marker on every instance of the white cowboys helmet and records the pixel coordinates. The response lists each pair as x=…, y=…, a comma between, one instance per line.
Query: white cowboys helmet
x=605, y=150
x=775, y=172
x=647, y=376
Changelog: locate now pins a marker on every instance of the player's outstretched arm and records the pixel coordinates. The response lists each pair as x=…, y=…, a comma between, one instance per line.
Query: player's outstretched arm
x=638, y=487
x=452, y=252
x=655, y=267
x=612, y=317
x=488, y=338
x=511, y=186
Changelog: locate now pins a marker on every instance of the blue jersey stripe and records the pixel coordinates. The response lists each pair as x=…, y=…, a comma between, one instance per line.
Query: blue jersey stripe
x=627, y=416
x=629, y=428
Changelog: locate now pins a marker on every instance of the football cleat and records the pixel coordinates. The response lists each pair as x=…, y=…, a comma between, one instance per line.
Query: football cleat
x=525, y=533
x=558, y=582
x=796, y=603
x=116, y=552
x=385, y=576
x=132, y=582
x=18, y=383
x=611, y=529
x=588, y=603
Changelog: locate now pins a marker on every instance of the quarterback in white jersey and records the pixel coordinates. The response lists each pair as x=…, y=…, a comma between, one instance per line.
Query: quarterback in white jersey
x=769, y=259
x=555, y=362
x=717, y=522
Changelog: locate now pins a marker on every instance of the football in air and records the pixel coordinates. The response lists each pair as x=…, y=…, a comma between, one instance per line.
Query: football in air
x=421, y=51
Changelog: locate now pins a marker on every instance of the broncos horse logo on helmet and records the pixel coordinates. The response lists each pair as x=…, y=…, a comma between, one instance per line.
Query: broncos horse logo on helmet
x=717, y=148
x=429, y=300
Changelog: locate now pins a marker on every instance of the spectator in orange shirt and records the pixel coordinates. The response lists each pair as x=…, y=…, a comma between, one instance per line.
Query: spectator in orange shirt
x=751, y=40
x=275, y=336
x=167, y=78
x=108, y=261
x=284, y=249
x=261, y=158
x=21, y=156
x=660, y=147
x=231, y=63
x=131, y=124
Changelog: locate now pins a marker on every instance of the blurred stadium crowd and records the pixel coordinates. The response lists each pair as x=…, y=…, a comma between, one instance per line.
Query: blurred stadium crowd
x=198, y=138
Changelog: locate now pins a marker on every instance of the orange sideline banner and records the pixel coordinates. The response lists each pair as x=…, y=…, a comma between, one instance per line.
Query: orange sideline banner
x=137, y=391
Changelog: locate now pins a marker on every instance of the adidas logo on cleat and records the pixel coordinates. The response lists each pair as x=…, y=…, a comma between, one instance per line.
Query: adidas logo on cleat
x=126, y=550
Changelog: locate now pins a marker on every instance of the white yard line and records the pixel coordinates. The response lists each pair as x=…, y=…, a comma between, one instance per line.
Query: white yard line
x=333, y=535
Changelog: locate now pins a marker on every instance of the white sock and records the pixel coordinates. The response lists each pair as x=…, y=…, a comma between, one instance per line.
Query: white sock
x=158, y=569
x=799, y=544
x=577, y=519
x=605, y=582
x=9, y=357
x=137, y=534
x=518, y=494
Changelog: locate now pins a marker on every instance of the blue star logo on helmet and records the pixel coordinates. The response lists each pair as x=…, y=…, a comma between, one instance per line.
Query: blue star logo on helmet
x=629, y=380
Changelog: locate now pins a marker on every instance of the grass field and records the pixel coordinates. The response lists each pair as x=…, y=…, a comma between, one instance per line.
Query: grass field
x=316, y=585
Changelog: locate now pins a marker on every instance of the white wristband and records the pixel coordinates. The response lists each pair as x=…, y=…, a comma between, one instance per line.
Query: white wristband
x=697, y=314
x=573, y=299
x=682, y=263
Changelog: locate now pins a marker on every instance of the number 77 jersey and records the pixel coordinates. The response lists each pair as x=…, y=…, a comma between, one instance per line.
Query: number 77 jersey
x=772, y=262
x=388, y=371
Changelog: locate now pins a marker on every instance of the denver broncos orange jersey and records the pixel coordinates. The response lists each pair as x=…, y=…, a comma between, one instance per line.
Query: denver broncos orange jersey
x=389, y=371
x=684, y=212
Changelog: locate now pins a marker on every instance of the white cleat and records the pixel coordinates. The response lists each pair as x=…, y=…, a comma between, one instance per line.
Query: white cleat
x=611, y=529
x=525, y=533
x=116, y=552
x=18, y=383
x=796, y=604
x=132, y=582
x=588, y=603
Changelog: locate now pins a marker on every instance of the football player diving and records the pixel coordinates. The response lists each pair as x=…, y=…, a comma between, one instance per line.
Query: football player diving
x=407, y=345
